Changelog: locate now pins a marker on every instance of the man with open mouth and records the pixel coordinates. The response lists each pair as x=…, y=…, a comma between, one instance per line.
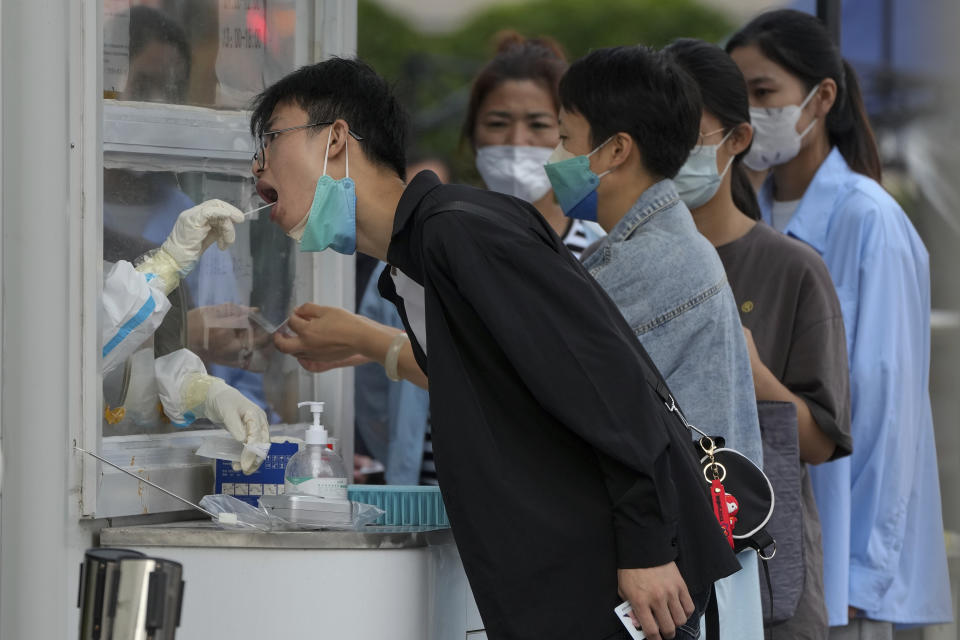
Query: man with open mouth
x=568, y=486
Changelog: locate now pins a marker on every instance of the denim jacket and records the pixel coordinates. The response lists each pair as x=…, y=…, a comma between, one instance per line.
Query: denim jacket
x=671, y=287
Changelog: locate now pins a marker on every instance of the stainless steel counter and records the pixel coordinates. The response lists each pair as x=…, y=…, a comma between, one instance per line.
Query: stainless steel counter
x=207, y=534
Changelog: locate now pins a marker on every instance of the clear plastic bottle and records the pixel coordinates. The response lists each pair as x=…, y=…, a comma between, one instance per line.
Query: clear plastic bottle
x=316, y=470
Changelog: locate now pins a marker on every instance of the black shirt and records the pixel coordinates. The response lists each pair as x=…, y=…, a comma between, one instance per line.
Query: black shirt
x=557, y=461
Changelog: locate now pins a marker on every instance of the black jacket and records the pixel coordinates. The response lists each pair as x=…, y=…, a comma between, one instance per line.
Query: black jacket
x=557, y=462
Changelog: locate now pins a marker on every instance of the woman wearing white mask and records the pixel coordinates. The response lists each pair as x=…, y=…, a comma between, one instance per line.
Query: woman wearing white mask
x=884, y=558
x=512, y=126
x=794, y=332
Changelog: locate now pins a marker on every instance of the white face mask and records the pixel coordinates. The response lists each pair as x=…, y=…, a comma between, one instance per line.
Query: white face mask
x=515, y=171
x=775, y=137
x=698, y=178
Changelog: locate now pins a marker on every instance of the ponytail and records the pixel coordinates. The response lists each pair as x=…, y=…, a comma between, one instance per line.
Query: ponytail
x=849, y=128
x=744, y=197
x=800, y=43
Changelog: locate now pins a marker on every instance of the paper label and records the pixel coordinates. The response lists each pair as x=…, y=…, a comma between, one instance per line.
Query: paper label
x=116, y=45
x=321, y=487
x=240, y=55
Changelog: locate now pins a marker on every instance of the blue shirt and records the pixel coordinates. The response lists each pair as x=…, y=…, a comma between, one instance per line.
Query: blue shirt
x=669, y=284
x=883, y=541
x=391, y=416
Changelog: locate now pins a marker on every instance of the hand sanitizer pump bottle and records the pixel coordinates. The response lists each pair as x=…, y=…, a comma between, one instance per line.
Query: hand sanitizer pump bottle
x=316, y=470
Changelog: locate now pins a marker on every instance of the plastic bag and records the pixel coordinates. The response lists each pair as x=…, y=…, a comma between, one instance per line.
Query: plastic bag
x=363, y=514
x=237, y=514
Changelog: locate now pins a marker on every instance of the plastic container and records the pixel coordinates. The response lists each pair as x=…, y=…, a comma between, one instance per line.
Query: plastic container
x=316, y=470
x=404, y=505
x=309, y=510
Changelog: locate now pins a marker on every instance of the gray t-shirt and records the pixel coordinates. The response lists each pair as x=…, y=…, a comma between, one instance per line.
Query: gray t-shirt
x=787, y=300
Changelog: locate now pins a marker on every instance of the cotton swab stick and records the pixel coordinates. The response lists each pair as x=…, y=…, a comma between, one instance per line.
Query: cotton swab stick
x=249, y=214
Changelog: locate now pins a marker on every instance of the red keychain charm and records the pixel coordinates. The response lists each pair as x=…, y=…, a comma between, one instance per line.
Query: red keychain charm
x=725, y=505
x=722, y=504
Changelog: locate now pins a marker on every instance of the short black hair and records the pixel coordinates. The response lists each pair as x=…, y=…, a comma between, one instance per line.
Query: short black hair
x=540, y=60
x=343, y=88
x=641, y=92
x=800, y=43
x=152, y=25
x=147, y=26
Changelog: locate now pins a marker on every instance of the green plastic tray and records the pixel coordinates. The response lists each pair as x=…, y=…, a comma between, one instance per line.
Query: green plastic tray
x=404, y=505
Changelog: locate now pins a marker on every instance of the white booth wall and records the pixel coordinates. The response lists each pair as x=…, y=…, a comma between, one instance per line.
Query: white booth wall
x=51, y=82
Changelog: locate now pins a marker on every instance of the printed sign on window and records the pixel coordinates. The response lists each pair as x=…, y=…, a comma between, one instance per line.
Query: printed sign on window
x=116, y=46
x=240, y=57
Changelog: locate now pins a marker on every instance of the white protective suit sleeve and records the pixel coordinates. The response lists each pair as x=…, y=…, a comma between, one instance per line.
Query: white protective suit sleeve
x=188, y=392
x=134, y=299
x=134, y=304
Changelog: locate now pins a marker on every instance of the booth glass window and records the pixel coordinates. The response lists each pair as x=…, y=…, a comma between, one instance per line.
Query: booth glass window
x=210, y=53
x=177, y=76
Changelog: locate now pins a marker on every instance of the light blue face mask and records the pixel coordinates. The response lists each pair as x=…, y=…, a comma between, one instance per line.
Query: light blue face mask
x=699, y=179
x=574, y=183
x=332, y=220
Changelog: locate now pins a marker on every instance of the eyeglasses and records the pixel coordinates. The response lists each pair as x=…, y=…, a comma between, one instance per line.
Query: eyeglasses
x=263, y=141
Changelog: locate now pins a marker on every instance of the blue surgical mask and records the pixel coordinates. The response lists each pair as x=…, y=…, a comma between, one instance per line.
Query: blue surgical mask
x=574, y=183
x=332, y=220
x=699, y=179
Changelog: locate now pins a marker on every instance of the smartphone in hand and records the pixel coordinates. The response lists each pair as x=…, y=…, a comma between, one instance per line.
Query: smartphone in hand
x=623, y=613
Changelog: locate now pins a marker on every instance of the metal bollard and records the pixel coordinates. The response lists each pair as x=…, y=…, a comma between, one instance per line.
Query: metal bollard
x=125, y=595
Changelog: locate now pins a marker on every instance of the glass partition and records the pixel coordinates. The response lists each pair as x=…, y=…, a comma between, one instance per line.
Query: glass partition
x=213, y=53
x=177, y=78
x=223, y=311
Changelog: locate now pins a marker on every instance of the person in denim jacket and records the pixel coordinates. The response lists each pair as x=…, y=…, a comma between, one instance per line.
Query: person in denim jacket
x=614, y=166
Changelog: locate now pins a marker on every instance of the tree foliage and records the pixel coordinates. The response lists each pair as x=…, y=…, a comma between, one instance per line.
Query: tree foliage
x=432, y=72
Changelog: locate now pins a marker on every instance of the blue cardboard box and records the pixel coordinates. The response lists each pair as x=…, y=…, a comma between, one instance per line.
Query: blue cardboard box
x=267, y=480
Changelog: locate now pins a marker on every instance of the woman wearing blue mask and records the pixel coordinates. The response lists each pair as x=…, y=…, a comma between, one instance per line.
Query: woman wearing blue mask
x=794, y=333
x=884, y=558
x=512, y=126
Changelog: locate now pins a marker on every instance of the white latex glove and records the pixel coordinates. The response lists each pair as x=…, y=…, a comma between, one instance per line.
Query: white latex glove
x=188, y=392
x=198, y=227
x=245, y=421
x=195, y=230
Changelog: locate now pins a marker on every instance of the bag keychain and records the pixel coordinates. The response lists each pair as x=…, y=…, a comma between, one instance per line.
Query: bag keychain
x=741, y=494
x=725, y=505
